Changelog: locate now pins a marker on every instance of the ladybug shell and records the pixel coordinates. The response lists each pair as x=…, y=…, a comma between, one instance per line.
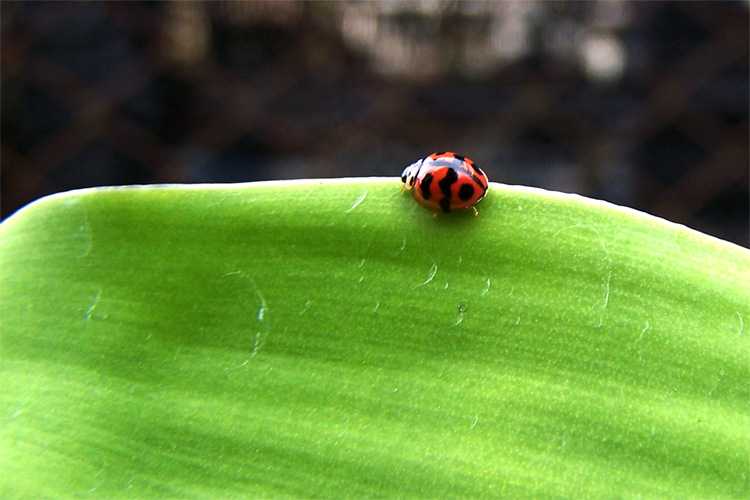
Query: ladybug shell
x=446, y=182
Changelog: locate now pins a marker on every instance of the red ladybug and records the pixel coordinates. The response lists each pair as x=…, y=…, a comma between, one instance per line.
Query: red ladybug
x=445, y=182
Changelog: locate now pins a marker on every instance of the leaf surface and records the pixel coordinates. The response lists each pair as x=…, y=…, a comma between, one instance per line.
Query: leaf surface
x=329, y=339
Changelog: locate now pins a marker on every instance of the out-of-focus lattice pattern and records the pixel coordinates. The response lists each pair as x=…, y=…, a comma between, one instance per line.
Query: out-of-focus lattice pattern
x=640, y=103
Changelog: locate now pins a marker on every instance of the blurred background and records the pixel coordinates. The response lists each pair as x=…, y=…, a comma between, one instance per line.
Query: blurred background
x=644, y=104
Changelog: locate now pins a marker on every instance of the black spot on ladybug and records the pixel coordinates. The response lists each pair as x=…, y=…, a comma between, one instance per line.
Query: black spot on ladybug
x=459, y=157
x=466, y=192
x=476, y=175
x=451, y=177
x=441, y=153
x=424, y=186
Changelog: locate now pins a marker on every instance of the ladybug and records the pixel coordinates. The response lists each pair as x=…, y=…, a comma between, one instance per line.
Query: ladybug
x=446, y=182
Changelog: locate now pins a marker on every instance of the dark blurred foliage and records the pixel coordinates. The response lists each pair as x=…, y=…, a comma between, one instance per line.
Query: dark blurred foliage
x=643, y=104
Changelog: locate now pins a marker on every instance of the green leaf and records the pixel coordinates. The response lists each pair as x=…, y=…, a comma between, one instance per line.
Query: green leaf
x=330, y=339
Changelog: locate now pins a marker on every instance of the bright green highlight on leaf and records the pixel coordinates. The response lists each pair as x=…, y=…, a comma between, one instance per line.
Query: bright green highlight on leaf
x=329, y=339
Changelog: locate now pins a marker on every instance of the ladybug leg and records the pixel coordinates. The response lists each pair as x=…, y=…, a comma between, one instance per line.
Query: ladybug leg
x=475, y=211
x=434, y=215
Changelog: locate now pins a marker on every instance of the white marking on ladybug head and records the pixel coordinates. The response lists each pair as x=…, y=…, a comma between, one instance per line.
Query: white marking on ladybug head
x=409, y=175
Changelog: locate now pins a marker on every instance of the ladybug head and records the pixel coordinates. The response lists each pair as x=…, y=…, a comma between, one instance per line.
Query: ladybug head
x=409, y=175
